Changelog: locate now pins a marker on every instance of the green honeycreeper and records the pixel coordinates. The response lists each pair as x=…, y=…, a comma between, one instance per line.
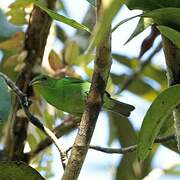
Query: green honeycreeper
x=69, y=95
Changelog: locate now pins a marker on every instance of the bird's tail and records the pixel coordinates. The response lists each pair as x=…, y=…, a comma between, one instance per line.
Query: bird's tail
x=118, y=107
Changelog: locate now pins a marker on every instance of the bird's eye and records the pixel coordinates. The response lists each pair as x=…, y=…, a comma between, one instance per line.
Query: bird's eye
x=44, y=78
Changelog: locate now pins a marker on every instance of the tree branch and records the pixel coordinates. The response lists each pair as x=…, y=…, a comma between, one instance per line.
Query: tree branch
x=25, y=103
x=125, y=150
x=36, y=36
x=93, y=104
x=172, y=57
x=64, y=128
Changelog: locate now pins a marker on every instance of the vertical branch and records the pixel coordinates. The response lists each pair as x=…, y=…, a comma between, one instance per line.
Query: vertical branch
x=172, y=55
x=36, y=36
x=93, y=104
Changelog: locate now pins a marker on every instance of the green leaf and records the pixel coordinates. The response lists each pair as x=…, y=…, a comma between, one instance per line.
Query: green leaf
x=92, y=2
x=156, y=73
x=17, y=11
x=7, y=29
x=151, y=4
x=126, y=61
x=166, y=17
x=84, y=59
x=141, y=26
x=102, y=28
x=138, y=86
x=119, y=128
x=17, y=16
x=71, y=52
x=32, y=141
x=21, y=3
x=159, y=110
x=168, y=126
x=18, y=171
x=171, y=34
x=5, y=101
x=124, y=21
x=63, y=19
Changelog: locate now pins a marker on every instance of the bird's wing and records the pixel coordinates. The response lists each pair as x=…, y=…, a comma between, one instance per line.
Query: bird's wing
x=74, y=80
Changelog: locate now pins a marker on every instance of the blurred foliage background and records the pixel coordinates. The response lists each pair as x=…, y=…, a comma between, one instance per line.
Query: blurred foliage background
x=64, y=55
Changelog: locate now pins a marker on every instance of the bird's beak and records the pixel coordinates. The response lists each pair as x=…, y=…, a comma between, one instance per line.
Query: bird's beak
x=33, y=82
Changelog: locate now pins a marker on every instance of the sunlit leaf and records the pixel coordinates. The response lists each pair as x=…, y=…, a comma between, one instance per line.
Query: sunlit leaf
x=71, y=52
x=32, y=141
x=141, y=26
x=155, y=117
x=21, y=3
x=171, y=34
x=174, y=170
x=17, y=16
x=84, y=59
x=102, y=28
x=49, y=119
x=18, y=170
x=63, y=19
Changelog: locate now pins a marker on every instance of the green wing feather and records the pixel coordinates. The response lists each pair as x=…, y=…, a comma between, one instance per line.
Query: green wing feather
x=69, y=94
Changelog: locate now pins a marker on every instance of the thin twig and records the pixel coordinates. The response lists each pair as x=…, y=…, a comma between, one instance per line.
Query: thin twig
x=125, y=149
x=124, y=21
x=65, y=127
x=25, y=103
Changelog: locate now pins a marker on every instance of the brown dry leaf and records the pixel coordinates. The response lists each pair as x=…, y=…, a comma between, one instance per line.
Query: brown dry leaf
x=22, y=56
x=16, y=42
x=55, y=61
x=19, y=67
x=11, y=61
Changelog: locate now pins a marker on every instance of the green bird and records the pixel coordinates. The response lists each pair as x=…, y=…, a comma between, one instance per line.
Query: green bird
x=70, y=94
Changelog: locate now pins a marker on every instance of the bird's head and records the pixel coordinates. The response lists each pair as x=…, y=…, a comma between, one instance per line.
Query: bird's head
x=43, y=80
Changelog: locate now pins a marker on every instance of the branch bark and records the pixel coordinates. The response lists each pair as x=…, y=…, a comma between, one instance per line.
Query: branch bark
x=172, y=56
x=36, y=36
x=128, y=149
x=93, y=104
